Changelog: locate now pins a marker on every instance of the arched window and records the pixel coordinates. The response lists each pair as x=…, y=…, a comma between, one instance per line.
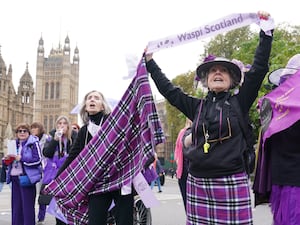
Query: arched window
x=23, y=99
x=52, y=91
x=57, y=90
x=47, y=90
x=27, y=98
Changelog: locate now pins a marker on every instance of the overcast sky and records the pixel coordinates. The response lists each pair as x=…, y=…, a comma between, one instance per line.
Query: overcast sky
x=106, y=31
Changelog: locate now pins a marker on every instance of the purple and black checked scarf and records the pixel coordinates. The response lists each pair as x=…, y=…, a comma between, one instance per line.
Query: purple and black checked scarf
x=115, y=155
x=224, y=200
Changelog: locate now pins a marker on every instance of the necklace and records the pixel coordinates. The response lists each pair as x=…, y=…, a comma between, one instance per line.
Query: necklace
x=206, y=136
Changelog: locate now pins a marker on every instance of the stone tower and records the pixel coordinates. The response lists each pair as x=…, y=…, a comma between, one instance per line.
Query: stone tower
x=14, y=107
x=56, y=84
x=25, y=98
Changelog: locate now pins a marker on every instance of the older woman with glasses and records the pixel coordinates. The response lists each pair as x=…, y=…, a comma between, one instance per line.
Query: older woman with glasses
x=24, y=159
x=217, y=184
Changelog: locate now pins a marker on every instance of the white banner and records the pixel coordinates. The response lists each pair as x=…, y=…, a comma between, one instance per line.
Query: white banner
x=216, y=27
x=144, y=191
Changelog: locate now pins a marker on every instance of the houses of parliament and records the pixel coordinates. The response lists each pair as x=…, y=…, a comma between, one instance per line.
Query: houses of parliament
x=55, y=92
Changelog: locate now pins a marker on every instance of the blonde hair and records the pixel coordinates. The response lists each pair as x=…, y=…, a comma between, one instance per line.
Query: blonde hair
x=84, y=114
x=69, y=131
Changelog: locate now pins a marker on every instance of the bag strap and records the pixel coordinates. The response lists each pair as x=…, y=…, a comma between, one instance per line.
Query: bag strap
x=242, y=122
x=194, y=130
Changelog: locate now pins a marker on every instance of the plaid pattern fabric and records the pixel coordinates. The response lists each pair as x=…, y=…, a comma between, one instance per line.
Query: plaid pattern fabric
x=215, y=201
x=115, y=155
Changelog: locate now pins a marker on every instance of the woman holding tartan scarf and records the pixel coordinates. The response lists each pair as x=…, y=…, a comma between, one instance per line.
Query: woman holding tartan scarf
x=94, y=112
x=217, y=184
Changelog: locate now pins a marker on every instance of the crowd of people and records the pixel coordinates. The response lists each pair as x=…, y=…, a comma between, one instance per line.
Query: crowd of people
x=214, y=151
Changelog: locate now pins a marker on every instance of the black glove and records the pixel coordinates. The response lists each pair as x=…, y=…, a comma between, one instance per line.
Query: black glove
x=251, y=161
x=250, y=157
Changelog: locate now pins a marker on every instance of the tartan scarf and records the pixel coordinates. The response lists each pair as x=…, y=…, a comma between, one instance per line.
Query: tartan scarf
x=115, y=155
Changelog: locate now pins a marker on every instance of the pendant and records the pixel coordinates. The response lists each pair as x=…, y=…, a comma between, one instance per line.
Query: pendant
x=206, y=147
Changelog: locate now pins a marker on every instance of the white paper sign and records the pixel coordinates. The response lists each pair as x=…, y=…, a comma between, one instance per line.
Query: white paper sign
x=143, y=189
x=11, y=147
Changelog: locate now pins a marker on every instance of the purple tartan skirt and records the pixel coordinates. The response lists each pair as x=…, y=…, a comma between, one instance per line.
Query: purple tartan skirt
x=285, y=204
x=224, y=200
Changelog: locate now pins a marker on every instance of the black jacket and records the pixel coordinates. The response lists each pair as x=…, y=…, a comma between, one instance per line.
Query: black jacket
x=51, y=146
x=225, y=157
x=83, y=137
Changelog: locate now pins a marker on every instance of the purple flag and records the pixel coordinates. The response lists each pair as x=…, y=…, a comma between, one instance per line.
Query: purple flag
x=115, y=155
x=55, y=211
x=279, y=110
x=281, y=107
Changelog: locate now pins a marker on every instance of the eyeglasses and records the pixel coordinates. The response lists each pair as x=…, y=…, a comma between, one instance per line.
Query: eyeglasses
x=220, y=139
x=22, y=131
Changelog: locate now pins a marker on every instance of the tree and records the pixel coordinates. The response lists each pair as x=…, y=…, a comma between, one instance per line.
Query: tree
x=225, y=45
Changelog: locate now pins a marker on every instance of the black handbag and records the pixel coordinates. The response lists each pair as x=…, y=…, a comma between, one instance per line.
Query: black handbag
x=44, y=199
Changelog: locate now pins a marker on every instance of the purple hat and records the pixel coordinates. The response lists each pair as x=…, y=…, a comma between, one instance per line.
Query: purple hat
x=234, y=70
x=280, y=75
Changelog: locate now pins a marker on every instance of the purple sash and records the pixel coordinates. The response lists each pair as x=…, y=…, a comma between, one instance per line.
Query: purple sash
x=279, y=110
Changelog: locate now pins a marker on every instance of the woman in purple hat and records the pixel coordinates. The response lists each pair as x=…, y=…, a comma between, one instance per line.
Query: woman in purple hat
x=217, y=184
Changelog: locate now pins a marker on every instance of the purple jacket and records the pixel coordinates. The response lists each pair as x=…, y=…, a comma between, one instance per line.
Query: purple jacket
x=30, y=159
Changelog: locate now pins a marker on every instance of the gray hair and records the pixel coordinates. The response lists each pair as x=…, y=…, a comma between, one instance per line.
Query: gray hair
x=84, y=114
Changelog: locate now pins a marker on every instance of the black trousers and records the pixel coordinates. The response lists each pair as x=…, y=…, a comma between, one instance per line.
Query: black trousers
x=99, y=205
x=59, y=222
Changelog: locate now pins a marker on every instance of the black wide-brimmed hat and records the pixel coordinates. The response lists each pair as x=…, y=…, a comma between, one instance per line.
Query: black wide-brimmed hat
x=234, y=70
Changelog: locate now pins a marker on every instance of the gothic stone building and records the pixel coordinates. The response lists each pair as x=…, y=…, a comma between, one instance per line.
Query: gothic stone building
x=15, y=107
x=56, y=91
x=57, y=83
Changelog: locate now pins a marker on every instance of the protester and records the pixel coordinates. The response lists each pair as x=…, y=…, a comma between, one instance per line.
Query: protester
x=277, y=175
x=217, y=184
x=94, y=111
x=75, y=127
x=159, y=170
x=56, y=149
x=24, y=158
x=37, y=129
x=2, y=177
x=181, y=161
